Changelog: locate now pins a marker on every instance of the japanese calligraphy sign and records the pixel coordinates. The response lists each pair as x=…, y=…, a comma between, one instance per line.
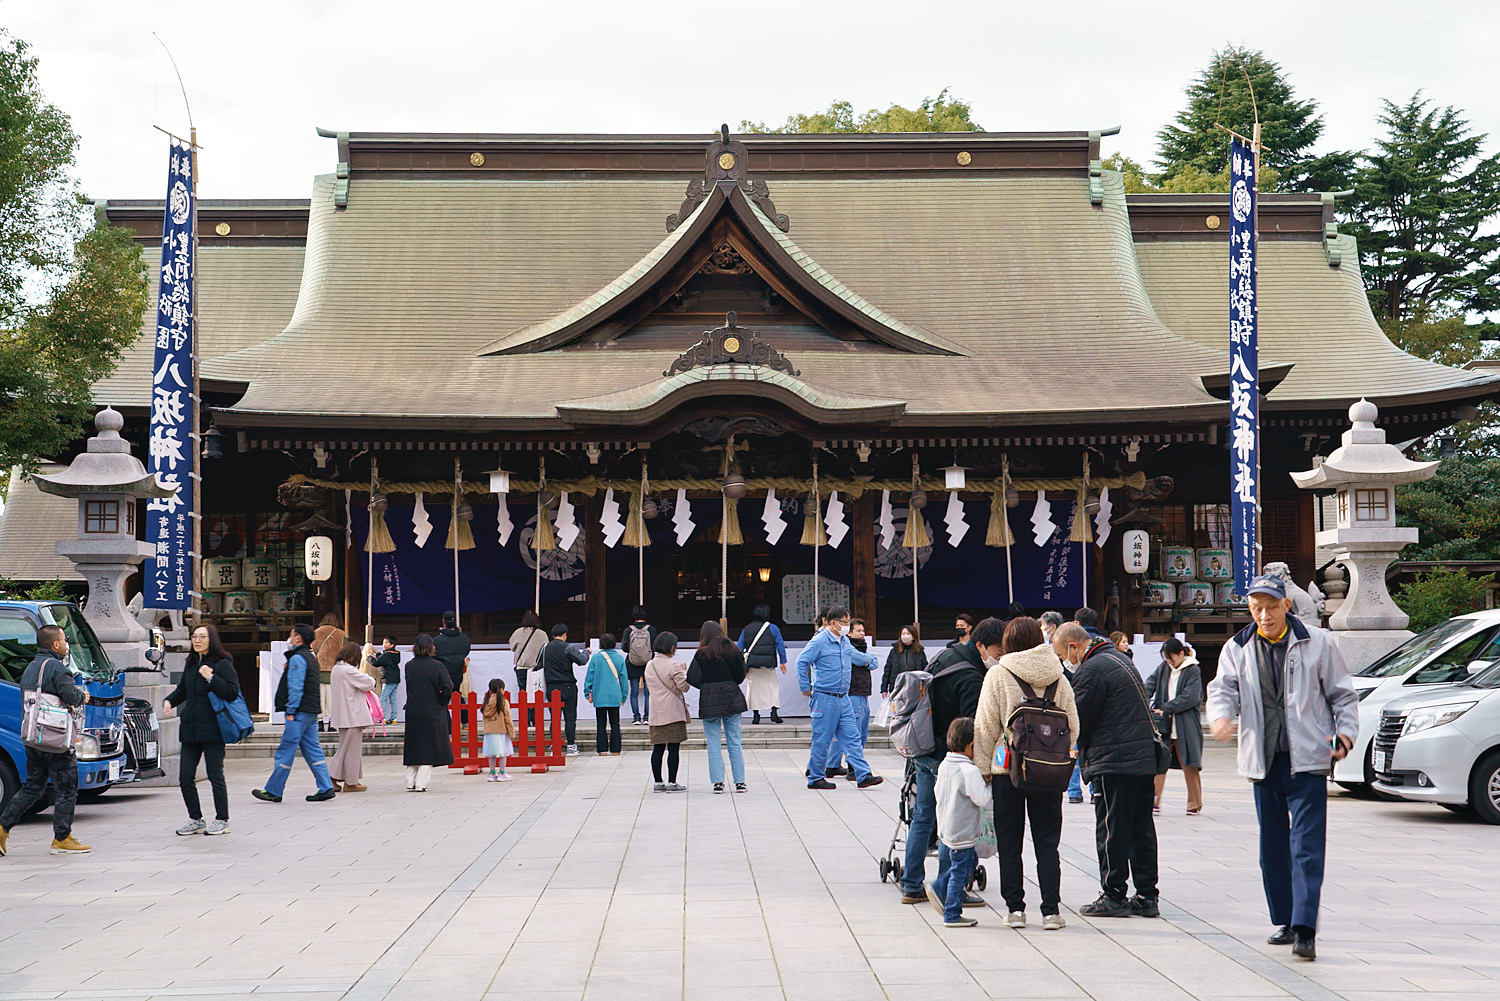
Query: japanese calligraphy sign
x=1136, y=550
x=169, y=577
x=1244, y=368
x=318, y=557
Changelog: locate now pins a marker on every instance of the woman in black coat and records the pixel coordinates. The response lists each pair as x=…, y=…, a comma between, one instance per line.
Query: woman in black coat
x=1176, y=691
x=906, y=655
x=208, y=669
x=428, y=689
x=717, y=671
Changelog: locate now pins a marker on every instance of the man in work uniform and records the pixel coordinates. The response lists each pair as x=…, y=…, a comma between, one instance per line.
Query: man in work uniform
x=48, y=674
x=823, y=672
x=1298, y=713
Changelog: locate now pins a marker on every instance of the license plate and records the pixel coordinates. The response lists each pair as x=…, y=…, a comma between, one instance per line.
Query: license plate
x=150, y=748
x=1381, y=761
x=114, y=770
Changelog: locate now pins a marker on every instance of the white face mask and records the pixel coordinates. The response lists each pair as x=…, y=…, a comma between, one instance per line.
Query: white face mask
x=990, y=661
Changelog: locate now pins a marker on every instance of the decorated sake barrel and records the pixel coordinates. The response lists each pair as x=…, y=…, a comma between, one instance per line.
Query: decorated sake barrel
x=1177, y=563
x=221, y=575
x=284, y=600
x=261, y=573
x=1195, y=598
x=1213, y=565
x=212, y=602
x=239, y=603
x=1159, y=592
x=1225, y=594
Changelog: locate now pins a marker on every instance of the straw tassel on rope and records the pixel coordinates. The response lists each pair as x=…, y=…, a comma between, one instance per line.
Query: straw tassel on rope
x=378, y=540
x=916, y=535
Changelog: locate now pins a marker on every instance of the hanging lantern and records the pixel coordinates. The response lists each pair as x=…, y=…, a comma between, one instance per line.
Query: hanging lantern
x=499, y=481
x=953, y=477
x=378, y=503
x=734, y=485
x=918, y=499
x=1012, y=498
x=649, y=508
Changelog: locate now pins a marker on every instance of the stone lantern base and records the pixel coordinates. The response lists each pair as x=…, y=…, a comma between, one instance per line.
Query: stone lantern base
x=1363, y=647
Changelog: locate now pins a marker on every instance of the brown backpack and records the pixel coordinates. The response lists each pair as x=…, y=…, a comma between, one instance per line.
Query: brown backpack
x=1041, y=745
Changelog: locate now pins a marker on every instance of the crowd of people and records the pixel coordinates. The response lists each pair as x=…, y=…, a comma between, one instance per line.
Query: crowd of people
x=1017, y=713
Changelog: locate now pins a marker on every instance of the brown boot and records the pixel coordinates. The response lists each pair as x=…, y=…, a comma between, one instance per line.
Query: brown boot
x=355, y=787
x=337, y=785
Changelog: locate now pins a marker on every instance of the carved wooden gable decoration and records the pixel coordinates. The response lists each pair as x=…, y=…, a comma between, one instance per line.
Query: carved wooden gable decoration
x=731, y=344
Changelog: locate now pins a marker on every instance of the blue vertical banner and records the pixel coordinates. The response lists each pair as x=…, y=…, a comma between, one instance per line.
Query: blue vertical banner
x=1244, y=369
x=169, y=577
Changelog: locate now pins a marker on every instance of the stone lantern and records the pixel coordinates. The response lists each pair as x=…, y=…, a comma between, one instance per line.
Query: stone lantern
x=107, y=481
x=1364, y=473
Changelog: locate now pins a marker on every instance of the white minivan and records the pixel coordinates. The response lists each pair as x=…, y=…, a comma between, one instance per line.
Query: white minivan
x=1449, y=652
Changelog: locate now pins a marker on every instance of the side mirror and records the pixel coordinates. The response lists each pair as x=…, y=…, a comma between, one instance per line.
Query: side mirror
x=158, y=650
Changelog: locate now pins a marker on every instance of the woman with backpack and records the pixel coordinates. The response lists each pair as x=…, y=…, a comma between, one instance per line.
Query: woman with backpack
x=717, y=671
x=764, y=651
x=639, y=641
x=208, y=669
x=604, y=687
x=1022, y=657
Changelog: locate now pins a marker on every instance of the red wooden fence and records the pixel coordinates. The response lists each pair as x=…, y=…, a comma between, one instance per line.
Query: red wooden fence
x=535, y=747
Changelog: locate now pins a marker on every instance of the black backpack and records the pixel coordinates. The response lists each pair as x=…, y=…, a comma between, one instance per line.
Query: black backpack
x=1041, y=758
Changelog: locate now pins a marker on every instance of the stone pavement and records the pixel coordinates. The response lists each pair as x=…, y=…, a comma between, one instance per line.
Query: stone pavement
x=584, y=884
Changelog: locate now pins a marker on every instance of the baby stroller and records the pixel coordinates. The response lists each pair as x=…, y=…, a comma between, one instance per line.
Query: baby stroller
x=894, y=863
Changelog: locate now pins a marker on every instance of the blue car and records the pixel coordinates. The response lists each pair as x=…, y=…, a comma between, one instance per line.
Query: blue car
x=118, y=742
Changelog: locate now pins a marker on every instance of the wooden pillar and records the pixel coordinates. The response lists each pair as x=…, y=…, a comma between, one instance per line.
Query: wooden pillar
x=595, y=615
x=1306, y=565
x=862, y=592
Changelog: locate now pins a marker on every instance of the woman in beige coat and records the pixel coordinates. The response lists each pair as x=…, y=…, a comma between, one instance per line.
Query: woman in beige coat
x=350, y=712
x=666, y=680
x=1021, y=655
x=328, y=642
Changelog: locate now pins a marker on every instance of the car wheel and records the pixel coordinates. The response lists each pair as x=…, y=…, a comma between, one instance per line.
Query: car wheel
x=10, y=783
x=1484, y=788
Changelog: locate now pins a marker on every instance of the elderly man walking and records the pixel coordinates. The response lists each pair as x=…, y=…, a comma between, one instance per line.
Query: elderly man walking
x=1298, y=712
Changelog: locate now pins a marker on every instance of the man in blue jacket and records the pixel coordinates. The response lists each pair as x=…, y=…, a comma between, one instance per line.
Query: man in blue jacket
x=297, y=695
x=823, y=670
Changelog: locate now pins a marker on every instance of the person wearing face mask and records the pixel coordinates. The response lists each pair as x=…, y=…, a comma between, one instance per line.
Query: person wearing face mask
x=963, y=625
x=1050, y=620
x=208, y=669
x=824, y=668
x=1117, y=745
x=859, y=699
x=906, y=655
x=1176, y=689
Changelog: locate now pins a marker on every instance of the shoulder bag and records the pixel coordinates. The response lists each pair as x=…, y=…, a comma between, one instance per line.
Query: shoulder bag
x=46, y=724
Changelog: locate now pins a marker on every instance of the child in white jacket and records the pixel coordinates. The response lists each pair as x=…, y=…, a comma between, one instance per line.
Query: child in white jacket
x=961, y=795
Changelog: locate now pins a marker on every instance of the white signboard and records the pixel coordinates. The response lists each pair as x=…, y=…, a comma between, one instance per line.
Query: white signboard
x=318, y=555
x=1136, y=550
x=797, y=605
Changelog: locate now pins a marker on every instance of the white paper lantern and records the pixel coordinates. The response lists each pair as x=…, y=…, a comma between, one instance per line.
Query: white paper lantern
x=318, y=557
x=1136, y=549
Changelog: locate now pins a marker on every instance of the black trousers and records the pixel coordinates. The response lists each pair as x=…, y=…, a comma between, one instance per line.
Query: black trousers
x=1125, y=833
x=607, y=716
x=62, y=770
x=187, y=777
x=1012, y=809
x=569, y=712
x=673, y=753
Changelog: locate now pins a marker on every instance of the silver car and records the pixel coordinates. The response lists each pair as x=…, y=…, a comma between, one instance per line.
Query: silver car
x=1443, y=746
x=1449, y=652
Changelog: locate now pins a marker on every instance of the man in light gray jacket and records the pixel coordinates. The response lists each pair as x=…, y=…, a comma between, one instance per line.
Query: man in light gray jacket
x=1298, y=712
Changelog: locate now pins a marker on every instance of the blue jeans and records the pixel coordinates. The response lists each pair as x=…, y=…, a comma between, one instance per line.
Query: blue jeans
x=388, y=702
x=729, y=727
x=955, y=866
x=861, y=706
x=833, y=716
x=923, y=823
x=1075, y=784
x=638, y=688
x=1293, y=814
x=300, y=732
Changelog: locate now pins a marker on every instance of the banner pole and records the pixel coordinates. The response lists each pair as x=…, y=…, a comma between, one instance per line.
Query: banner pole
x=535, y=549
x=370, y=554
x=817, y=535
x=1255, y=236
x=640, y=551
x=458, y=498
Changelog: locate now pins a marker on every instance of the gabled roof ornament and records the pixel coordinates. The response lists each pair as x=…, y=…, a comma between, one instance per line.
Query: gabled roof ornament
x=728, y=345
x=725, y=162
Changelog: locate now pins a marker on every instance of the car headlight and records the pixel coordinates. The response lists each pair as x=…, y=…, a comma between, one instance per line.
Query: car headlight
x=1431, y=716
x=87, y=747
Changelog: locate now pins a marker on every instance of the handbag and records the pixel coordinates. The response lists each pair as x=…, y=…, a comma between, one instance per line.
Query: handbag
x=987, y=846
x=233, y=718
x=46, y=724
x=377, y=712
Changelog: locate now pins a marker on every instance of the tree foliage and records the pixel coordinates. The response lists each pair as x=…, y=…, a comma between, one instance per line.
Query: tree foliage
x=1189, y=180
x=71, y=293
x=934, y=114
x=1457, y=511
x=1424, y=212
x=1220, y=95
x=1439, y=594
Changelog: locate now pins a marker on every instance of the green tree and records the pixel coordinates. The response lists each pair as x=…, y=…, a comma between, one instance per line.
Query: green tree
x=1189, y=180
x=1424, y=212
x=1457, y=511
x=1220, y=95
x=71, y=290
x=1439, y=594
x=934, y=114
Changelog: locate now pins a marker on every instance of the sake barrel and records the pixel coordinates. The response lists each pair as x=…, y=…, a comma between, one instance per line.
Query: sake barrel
x=1177, y=563
x=261, y=573
x=212, y=602
x=284, y=600
x=239, y=603
x=221, y=575
x=1159, y=592
x=1225, y=593
x=1213, y=565
x=1195, y=598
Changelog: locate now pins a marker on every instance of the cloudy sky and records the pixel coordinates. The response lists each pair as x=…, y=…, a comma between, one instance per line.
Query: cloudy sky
x=262, y=76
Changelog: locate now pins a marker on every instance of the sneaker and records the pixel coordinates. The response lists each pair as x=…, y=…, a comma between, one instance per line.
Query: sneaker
x=1305, y=945
x=265, y=797
x=1106, y=907
x=832, y=773
x=502, y=777
x=1075, y=799
x=1282, y=936
x=659, y=787
x=676, y=787
x=192, y=827
x=961, y=922
x=933, y=898
x=718, y=787
x=572, y=750
x=739, y=787
x=821, y=784
x=869, y=780
x=216, y=827
x=1053, y=922
x=913, y=897
x=72, y=846
x=1015, y=919
x=1146, y=907
x=322, y=797
x=490, y=777
x=972, y=899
